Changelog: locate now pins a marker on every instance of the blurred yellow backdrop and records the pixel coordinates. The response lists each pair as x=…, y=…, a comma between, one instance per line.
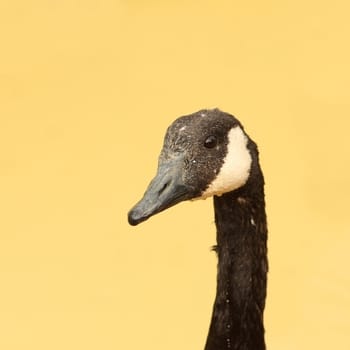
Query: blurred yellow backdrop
x=87, y=89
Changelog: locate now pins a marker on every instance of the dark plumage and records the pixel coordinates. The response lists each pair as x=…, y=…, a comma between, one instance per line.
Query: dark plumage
x=209, y=154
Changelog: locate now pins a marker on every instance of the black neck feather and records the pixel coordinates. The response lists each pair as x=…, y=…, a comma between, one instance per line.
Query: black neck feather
x=237, y=320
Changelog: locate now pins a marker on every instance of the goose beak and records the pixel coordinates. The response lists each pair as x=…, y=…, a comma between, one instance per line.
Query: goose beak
x=164, y=191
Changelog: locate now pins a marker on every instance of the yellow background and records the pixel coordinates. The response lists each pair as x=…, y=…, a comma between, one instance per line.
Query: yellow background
x=87, y=89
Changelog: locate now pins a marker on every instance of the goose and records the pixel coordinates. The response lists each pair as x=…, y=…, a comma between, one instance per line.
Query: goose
x=209, y=154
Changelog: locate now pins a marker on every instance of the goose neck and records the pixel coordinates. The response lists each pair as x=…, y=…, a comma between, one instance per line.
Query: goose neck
x=237, y=321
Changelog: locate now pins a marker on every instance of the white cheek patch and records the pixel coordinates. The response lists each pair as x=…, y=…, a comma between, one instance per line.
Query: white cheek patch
x=235, y=169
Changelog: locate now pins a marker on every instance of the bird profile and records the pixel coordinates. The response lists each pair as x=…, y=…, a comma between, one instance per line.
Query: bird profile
x=209, y=154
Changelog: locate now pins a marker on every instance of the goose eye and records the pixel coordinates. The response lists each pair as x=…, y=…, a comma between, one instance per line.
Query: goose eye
x=210, y=142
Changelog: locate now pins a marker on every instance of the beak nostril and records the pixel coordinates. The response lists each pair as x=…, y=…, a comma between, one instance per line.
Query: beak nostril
x=163, y=188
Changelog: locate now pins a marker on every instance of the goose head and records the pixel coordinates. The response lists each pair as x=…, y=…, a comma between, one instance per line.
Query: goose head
x=204, y=154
